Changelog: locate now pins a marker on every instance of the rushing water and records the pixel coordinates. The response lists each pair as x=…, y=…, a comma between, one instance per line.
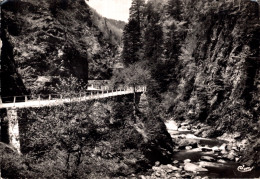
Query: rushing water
x=215, y=169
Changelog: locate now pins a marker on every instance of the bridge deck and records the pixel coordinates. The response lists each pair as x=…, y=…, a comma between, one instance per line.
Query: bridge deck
x=55, y=102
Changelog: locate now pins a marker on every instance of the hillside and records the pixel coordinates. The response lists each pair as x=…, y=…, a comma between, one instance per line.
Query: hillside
x=95, y=139
x=44, y=41
x=204, y=60
x=112, y=29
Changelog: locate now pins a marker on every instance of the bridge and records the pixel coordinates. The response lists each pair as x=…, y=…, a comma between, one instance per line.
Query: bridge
x=52, y=100
x=59, y=99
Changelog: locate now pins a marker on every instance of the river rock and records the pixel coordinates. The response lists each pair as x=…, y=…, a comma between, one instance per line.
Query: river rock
x=208, y=158
x=237, y=135
x=186, y=175
x=171, y=125
x=231, y=155
x=221, y=161
x=177, y=175
x=206, y=177
x=223, y=149
x=207, y=131
x=194, y=168
x=142, y=177
x=216, y=149
x=173, y=168
x=188, y=147
x=175, y=162
x=197, y=177
x=154, y=168
x=184, y=124
x=235, y=148
x=187, y=161
x=229, y=147
x=157, y=174
x=182, y=143
x=197, y=133
x=209, y=164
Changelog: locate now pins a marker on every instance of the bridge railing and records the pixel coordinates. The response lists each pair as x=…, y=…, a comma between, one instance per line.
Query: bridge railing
x=71, y=97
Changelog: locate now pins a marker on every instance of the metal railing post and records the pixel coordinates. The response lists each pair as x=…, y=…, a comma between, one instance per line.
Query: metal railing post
x=39, y=98
x=49, y=97
x=14, y=100
x=25, y=98
x=1, y=103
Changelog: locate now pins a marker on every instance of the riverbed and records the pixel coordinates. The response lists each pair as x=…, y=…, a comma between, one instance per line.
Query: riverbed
x=220, y=168
x=198, y=157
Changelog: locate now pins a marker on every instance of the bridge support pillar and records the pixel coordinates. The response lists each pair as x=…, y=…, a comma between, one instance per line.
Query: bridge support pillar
x=143, y=104
x=13, y=129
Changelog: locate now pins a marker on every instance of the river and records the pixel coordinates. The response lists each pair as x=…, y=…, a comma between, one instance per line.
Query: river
x=221, y=168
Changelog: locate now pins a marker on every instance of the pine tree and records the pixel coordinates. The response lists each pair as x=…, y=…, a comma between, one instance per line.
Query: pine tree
x=175, y=32
x=153, y=36
x=136, y=12
x=132, y=43
x=132, y=37
x=174, y=9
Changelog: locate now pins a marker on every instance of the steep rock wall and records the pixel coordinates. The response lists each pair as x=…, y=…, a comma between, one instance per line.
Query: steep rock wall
x=218, y=73
x=219, y=69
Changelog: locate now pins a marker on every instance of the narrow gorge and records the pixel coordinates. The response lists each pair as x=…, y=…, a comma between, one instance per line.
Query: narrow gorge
x=198, y=59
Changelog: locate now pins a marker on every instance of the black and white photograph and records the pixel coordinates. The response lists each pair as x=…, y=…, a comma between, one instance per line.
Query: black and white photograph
x=129, y=89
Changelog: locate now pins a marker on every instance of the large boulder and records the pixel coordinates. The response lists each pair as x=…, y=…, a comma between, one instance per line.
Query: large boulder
x=183, y=143
x=190, y=167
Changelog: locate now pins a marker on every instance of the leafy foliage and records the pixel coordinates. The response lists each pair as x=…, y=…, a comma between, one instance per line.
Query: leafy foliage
x=133, y=75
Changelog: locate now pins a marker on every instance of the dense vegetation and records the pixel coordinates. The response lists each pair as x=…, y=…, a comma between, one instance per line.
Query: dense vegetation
x=44, y=41
x=203, y=57
x=94, y=139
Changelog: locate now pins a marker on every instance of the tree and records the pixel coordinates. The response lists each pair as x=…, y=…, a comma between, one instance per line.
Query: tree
x=136, y=12
x=132, y=76
x=132, y=43
x=153, y=36
x=132, y=36
x=174, y=9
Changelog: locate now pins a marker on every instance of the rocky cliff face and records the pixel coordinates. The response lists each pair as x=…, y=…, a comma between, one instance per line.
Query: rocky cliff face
x=212, y=58
x=218, y=70
x=47, y=40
